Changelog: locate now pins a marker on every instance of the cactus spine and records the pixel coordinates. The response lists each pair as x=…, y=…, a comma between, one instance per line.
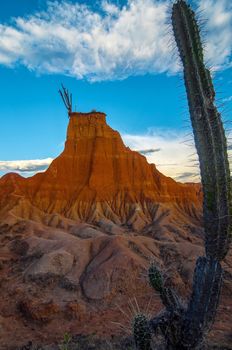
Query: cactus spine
x=184, y=328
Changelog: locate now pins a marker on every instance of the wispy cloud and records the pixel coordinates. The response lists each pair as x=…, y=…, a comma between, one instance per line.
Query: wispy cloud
x=149, y=151
x=25, y=166
x=218, y=43
x=177, y=155
x=111, y=43
x=227, y=99
x=174, y=159
x=187, y=177
x=76, y=40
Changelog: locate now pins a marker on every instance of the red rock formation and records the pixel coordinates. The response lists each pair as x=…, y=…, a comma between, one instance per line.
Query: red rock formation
x=96, y=176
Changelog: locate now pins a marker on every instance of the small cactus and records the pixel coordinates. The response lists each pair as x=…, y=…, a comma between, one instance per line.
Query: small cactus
x=142, y=332
x=167, y=295
x=155, y=278
x=66, y=342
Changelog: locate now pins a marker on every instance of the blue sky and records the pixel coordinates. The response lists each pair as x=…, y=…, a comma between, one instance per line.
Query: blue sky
x=117, y=57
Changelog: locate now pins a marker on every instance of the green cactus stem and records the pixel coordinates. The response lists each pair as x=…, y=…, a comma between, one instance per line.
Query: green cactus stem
x=203, y=303
x=155, y=277
x=142, y=332
x=168, y=296
x=208, y=133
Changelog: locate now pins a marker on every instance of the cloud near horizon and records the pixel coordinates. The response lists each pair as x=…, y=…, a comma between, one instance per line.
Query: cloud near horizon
x=148, y=151
x=111, y=43
x=175, y=158
x=163, y=147
x=172, y=151
x=25, y=166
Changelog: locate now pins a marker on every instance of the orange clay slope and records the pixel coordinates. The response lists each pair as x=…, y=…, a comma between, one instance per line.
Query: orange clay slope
x=95, y=177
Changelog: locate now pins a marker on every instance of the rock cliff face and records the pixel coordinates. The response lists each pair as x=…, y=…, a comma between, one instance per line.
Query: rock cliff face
x=96, y=177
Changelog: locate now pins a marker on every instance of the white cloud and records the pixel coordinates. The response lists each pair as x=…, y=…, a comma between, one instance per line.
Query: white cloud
x=25, y=166
x=73, y=39
x=175, y=158
x=113, y=43
x=177, y=155
x=218, y=14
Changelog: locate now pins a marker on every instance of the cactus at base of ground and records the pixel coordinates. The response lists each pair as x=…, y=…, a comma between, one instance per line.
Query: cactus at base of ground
x=142, y=332
x=184, y=328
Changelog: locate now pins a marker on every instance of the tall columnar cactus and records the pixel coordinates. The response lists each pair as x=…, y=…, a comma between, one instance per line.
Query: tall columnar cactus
x=184, y=328
x=208, y=132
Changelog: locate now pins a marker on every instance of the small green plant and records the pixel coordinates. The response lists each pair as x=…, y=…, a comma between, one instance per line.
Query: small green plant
x=155, y=278
x=142, y=332
x=66, y=342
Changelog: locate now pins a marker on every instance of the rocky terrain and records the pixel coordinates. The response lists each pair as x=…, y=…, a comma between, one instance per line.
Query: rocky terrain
x=76, y=241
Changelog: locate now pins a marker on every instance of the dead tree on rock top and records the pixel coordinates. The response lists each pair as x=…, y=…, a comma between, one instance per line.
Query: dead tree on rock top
x=66, y=98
